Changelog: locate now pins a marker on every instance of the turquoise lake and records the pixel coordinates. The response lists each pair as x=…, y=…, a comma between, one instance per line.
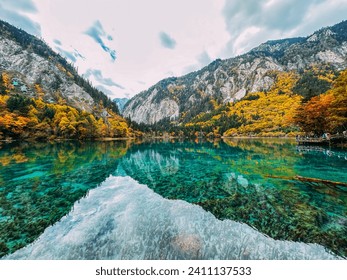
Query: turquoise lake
x=232, y=199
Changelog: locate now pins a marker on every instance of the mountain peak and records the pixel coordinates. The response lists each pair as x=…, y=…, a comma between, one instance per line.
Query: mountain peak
x=25, y=55
x=42, y=96
x=224, y=81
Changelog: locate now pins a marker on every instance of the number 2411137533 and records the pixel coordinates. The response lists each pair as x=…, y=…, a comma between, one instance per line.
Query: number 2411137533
x=223, y=270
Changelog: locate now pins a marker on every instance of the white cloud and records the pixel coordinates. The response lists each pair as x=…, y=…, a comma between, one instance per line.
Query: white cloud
x=98, y=76
x=19, y=13
x=202, y=60
x=203, y=31
x=253, y=22
x=21, y=5
x=98, y=34
x=166, y=41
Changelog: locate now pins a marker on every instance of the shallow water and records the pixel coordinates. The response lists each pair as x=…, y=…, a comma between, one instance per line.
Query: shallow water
x=125, y=220
x=202, y=191
x=39, y=184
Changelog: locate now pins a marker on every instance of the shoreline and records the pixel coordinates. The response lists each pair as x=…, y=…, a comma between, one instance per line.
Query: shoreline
x=257, y=137
x=65, y=139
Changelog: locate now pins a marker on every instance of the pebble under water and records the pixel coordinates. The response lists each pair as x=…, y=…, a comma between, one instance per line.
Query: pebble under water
x=125, y=220
x=172, y=200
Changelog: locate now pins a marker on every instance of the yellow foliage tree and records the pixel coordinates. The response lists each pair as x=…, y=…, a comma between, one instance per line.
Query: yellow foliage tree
x=7, y=82
x=39, y=91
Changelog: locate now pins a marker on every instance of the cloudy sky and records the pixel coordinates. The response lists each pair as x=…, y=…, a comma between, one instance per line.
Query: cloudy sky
x=124, y=47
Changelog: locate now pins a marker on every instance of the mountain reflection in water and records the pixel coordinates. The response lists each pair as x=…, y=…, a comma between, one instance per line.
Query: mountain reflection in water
x=211, y=187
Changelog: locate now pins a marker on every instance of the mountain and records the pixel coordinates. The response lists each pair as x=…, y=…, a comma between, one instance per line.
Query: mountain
x=120, y=103
x=42, y=96
x=32, y=62
x=181, y=99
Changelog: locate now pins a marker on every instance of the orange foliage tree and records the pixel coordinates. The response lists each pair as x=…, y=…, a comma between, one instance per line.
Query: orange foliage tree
x=326, y=112
x=22, y=117
x=313, y=115
x=338, y=107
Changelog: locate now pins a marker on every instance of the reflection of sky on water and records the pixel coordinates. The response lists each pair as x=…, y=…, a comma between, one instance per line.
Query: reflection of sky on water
x=125, y=220
x=246, y=181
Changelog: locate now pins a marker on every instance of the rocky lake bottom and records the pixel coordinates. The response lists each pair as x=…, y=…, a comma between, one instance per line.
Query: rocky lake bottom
x=237, y=199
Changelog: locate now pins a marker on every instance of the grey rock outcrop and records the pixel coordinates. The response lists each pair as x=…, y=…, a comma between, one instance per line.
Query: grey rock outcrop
x=228, y=80
x=30, y=62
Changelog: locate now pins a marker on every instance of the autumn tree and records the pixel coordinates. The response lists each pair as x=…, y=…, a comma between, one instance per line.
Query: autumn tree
x=23, y=117
x=39, y=91
x=313, y=115
x=310, y=85
x=6, y=81
x=18, y=103
x=326, y=112
x=2, y=85
x=338, y=107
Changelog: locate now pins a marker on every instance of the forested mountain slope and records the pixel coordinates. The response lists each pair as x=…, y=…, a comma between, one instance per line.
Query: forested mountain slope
x=312, y=62
x=42, y=95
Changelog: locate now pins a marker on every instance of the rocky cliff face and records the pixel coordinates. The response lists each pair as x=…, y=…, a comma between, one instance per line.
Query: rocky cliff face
x=227, y=80
x=31, y=62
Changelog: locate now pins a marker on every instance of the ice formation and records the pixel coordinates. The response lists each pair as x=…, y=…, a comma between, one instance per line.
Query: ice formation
x=123, y=219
